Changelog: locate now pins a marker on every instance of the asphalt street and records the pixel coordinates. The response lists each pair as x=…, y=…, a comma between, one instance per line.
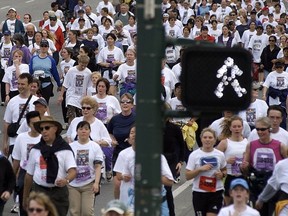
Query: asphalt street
x=182, y=191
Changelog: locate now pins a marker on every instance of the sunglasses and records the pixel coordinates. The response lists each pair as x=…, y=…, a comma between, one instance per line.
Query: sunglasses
x=87, y=108
x=126, y=102
x=38, y=210
x=261, y=129
x=45, y=128
x=272, y=40
x=44, y=45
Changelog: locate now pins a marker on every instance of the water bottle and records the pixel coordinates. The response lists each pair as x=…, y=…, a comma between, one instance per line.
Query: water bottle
x=252, y=177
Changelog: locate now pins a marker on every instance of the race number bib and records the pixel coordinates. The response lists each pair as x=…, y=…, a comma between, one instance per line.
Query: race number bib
x=207, y=183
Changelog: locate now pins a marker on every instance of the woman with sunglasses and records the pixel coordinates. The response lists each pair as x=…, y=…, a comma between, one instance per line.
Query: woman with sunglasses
x=233, y=145
x=119, y=129
x=89, y=158
x=260, y=158
x=39, y=204
x=99, y=133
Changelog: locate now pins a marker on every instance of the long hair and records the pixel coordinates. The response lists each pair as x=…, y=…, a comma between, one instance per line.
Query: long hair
x=226, y=124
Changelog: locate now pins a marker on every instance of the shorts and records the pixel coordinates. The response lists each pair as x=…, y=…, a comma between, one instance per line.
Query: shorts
x=73, y=112
x=210, y=202
x=227, y=183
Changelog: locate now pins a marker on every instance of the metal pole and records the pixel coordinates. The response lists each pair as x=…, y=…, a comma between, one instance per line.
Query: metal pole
x=150, y=50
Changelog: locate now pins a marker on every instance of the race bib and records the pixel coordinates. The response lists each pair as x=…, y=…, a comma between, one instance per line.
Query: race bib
x=235, y=167
x=207, y=184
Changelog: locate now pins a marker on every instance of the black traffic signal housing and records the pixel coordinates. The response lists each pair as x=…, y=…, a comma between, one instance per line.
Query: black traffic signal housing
x=216, y=78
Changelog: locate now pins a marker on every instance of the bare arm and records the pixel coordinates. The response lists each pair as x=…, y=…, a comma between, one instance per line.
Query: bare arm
x=27, y=187
x=5, y=147
x=283, y=150
x=166, y=181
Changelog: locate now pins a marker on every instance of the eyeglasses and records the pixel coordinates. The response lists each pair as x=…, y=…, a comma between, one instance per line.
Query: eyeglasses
x=87, y=108
x=53, y=19
x=261, y=129
x=44, y=45
x=126, y=102
x=38, y=210
x=45, y=128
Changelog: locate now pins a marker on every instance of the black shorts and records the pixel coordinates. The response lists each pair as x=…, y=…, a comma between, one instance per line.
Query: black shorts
x=227, y=183
x=210, y=202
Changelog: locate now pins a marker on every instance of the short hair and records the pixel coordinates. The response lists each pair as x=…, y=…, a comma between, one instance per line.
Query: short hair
x=106, y=83
x=129, y=96
x=26, y=76
x=83, y=58
x=38, y=32
x=275, y=107
x=111, y=35
x=89, y=100
x=105, y=9
x=273, y=36
x=118, y=23
x=83, y=124
x=31, y=115
x=53, y=4
x=264, y=120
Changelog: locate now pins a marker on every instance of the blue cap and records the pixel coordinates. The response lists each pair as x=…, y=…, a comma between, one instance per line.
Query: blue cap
x=239, y=182
x=6, y=32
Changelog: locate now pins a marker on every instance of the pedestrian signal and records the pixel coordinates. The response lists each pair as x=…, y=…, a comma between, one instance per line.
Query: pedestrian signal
x=216, y=78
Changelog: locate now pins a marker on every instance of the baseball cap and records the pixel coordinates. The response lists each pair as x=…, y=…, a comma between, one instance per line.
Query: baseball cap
x=239, y=182
x=12, y=9
x=6, y=32
x=41, y=101
x=165, y=15
x=117, y=206
x=44, y=42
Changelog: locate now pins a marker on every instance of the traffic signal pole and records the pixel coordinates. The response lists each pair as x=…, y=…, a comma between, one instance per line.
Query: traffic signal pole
x=150, y=51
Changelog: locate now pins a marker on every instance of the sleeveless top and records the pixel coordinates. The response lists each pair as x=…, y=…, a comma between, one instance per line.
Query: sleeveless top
x=263, y=157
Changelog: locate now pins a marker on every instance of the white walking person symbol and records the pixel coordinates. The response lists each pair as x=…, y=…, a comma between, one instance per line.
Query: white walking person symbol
x=226, y=79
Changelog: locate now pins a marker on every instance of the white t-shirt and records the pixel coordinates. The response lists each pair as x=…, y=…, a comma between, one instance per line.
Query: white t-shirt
x=177, y=69
x=11, y=25
x=22, y=147
x=98, y=130
x=10, y=75
x=14, y=109
x=106, y=55
x=247, y=35
x=257, y=43
x=65, y=66
x=76, y=83
x=277, y=81
x=199, y=158
x=281, y=135
x=37, y=166
x=229, y=210
x=174, y=32
x=257, y=109
x=109, y=6
x=216, y=126
x=85, y=156
x=5, y=53
x=177, y=105
x=169, y=78
x=127, y=73
x=124, y=155
x=108, y=107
